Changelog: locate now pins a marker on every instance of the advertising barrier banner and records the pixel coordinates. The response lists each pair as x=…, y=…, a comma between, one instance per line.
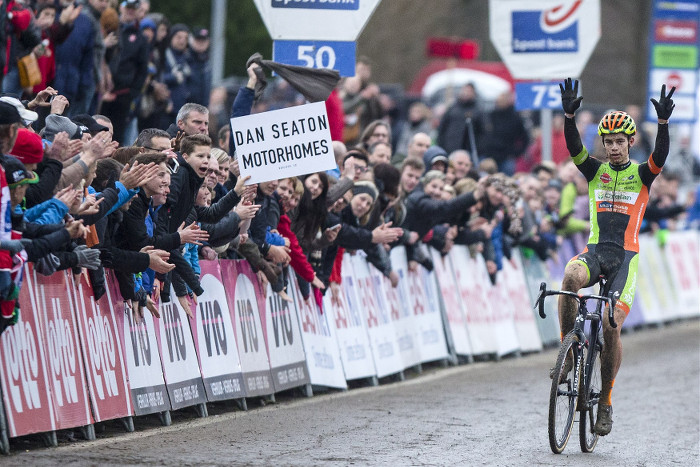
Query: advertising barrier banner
x=24, y=372
x=388, y=299
x=283, y=338
x=535, y=272
x=425, y=324
x=183, y=378
x=102, y=351
x=241, y=292
x=350, y=331
x=67, y=381
x=523, y=314
x=320, y=343
x=661, y=277
x=647, y=297
x=145, y=372
x=683, y=257
x=501, y=312
x=380, y=328
x=214, y=335
x=473, y=297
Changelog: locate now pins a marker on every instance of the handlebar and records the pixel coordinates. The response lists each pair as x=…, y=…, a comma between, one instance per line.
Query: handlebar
x=610, y=300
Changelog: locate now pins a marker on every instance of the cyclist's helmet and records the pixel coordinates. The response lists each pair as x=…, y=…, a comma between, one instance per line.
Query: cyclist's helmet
x=617, y=121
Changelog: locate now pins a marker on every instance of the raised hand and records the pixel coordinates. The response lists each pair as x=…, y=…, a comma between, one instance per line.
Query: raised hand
x=664, y=106
x=570, y=100
x=192, y=234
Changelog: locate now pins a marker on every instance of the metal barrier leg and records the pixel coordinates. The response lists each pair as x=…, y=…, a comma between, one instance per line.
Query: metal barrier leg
x=165, y=418
x=307, y=390
x=88, y=432
x=50, y=439
x=128, y=423
x=202, y=410
x=242, y=404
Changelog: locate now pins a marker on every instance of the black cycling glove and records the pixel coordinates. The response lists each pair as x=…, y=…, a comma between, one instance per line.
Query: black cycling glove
x=569, y=100
x=664, y=106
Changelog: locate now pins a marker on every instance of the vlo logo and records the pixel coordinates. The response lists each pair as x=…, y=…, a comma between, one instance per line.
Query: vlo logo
x=281, y=320
x=551, y=30
x=22, y=366
x=174, y=334
x=140, y=345
x=103, y=353
x=213, y=327
x=62, y=357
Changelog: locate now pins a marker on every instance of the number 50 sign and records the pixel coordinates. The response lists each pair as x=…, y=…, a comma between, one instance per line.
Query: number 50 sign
x=335, y=55
x=533, y=95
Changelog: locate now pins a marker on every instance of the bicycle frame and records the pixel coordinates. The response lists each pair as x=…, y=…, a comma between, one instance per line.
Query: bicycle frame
x=582, y=316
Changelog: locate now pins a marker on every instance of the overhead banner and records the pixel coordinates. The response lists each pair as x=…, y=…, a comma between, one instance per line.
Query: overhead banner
x=283, y=338
x=214, y=337
x=24, y=374
x=142, y=358
x=243, y=304
x=380, y=328
x=456, y=318
x=473, y=296
x=183, y=378
x=320, y=344
x=350, y=329
x=523, y=314
x=544, y=39
x=283, y=143
x=102, y=351
x=51, y=302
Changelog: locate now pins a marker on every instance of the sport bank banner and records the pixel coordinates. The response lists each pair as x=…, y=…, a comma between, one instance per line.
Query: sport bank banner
x=283, y=143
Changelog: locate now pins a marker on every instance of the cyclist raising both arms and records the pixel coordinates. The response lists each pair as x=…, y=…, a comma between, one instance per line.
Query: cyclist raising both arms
x=618, y=193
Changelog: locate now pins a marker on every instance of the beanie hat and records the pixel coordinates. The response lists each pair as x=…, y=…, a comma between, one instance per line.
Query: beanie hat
x=147, y=23
x=432, y=175
x=365, y=187
x=56, y=124
x=28, y=147
x=177, y=28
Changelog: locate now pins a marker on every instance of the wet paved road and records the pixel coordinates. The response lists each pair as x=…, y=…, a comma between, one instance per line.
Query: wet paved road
x=491, y=413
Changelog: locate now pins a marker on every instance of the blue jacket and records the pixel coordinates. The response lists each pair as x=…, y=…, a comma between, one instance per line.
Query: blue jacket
x=50, y=211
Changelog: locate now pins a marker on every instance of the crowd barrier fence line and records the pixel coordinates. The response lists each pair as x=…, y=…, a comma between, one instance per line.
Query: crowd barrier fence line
x=72, y=361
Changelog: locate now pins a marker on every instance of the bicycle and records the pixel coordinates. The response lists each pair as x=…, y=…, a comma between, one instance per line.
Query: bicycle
x=577, y=387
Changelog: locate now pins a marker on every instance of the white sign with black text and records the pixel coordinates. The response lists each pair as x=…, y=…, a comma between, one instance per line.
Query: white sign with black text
x=283, y=143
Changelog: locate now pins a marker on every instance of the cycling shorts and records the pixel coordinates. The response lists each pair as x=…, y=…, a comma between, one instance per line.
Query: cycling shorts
x=618, y=265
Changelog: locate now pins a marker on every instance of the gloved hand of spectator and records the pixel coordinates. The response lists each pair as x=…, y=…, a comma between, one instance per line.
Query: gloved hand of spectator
x=13, y=246
x=88, y=257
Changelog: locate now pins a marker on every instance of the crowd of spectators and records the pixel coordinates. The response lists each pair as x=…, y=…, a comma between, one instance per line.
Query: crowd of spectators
x=121, y=158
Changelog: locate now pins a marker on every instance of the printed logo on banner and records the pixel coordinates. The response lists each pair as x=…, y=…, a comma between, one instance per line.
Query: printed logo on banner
x=212, y=326
x=551, y=30
x=174, y=333
x=281, y=320
x=683, y=32
x=62, y=355
x=140, y=344
x=103, y=353
x=318, y=4
x=22, y=366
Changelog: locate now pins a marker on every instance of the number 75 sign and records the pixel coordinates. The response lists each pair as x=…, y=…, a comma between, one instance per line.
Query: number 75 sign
x=534, y=95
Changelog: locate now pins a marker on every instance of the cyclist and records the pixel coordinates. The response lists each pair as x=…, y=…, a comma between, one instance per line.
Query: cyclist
x=618, y=193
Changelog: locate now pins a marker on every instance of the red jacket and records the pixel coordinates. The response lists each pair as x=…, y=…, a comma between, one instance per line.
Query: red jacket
x=298, y=259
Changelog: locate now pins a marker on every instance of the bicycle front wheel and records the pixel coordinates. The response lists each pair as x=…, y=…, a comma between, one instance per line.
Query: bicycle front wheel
x=593, y=384
x=564, y=394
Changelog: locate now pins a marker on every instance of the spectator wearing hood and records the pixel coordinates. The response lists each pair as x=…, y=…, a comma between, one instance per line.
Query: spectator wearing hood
x=452, y=131
x=435, y=158
x=21, y=37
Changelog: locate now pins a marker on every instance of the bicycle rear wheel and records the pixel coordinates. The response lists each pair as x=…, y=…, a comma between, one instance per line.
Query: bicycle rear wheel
x=563, y=394
x=587, y=438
